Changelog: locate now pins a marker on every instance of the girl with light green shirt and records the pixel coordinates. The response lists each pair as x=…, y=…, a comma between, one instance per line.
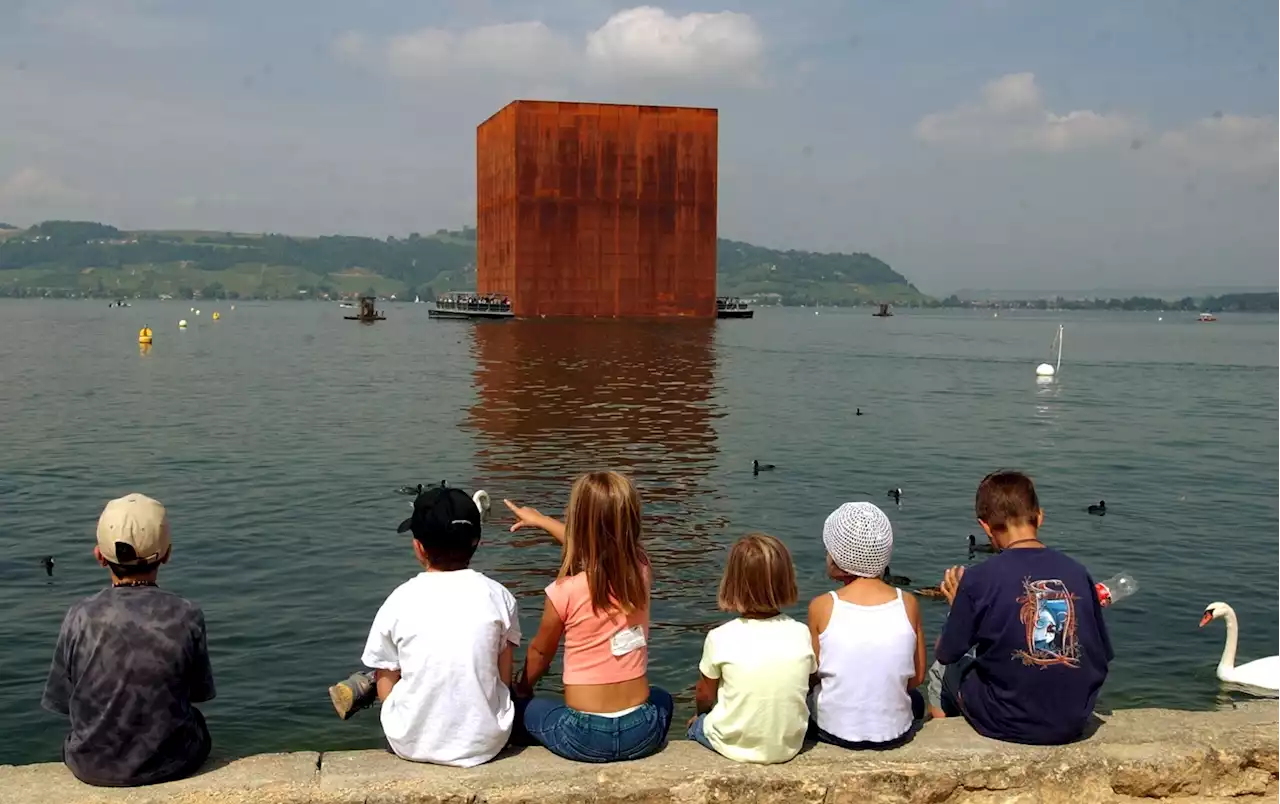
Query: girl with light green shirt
x=755, y=669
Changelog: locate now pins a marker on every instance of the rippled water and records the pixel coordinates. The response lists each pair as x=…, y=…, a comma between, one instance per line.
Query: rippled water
x=276, y=436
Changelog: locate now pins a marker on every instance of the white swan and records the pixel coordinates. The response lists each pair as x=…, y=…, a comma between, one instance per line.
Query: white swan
x=481, y=499
x=1261, y=673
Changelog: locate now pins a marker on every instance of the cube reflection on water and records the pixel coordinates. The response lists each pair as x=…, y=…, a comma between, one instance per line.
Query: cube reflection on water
x=557, y=398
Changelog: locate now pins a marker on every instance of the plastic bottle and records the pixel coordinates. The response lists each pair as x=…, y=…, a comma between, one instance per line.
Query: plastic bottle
x=1116, y=588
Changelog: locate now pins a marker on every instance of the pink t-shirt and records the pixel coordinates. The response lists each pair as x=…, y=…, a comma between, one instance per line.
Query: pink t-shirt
x=589, y=643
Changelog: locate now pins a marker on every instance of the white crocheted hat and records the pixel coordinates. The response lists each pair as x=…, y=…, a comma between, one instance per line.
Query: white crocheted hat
x=859, y=539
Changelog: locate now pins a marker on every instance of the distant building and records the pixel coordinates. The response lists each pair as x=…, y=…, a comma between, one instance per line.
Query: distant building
x=588, y=209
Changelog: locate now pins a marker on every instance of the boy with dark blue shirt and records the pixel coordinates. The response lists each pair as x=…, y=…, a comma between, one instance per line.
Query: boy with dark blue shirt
x=1024, y=651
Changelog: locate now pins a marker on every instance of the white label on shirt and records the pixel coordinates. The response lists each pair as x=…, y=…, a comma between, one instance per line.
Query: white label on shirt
x=627, y=640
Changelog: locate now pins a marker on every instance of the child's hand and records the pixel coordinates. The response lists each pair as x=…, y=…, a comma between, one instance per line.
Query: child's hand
x=525, y=517
x=950, y=583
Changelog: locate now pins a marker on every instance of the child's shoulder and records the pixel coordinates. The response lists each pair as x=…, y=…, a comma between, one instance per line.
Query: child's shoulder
x=821, y=603
x=494, y=587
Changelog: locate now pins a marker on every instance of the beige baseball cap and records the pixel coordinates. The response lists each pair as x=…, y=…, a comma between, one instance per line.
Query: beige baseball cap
x=133, y=529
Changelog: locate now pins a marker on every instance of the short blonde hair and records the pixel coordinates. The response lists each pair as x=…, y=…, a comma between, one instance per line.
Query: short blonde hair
x=759, y=577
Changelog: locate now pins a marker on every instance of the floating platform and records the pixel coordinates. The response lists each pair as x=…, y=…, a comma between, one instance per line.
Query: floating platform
x=367, y=314
x=468, y=307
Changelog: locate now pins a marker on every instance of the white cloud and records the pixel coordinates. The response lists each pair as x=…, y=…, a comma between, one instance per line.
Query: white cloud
x=509, y=49
x=1011, y=115
x=638, y=43
x=1227, y=142
x=32, y=185
x=647, y=42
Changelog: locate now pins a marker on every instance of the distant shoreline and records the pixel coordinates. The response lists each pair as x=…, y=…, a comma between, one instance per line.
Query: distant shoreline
x=1250, y=303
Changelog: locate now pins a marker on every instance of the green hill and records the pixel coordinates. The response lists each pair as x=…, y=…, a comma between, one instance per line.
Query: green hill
x=65, y=258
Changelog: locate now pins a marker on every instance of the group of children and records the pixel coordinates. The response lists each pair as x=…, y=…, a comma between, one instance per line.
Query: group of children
x=1022, y=656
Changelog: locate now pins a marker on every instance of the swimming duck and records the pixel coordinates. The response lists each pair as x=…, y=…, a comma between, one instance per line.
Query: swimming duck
x=896, y=494
x=1098, y=510
x=894, y=580
x=47, y=562
x=931, y=593
x=757, y=467
x=974, y=547
x=410, y=489
x=858, y=412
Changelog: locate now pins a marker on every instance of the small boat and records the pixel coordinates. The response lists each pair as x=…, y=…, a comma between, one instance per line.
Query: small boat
x=884, y=312
x=733, y=307
x=1207, y=317
x=367, y=314
x=417, y=300
x=346, y=305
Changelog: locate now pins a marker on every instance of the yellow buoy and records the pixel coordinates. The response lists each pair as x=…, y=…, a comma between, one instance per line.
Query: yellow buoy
x=216, y=315
x=144, y=336
x=182, y=324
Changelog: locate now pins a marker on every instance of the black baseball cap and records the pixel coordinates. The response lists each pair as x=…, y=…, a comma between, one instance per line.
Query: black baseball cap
x=443, y=515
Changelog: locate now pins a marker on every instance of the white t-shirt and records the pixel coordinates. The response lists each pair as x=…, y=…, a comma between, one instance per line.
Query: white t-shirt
x=763, y=665
x=443, y=631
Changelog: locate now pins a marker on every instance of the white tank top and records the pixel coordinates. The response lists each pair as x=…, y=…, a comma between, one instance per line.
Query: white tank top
x=867, y=654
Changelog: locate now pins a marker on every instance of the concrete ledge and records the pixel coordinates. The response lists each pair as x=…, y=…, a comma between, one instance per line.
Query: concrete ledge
x=1152, y=754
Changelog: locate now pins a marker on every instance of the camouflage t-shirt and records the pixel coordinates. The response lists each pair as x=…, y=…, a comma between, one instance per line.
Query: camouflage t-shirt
x=130, y=662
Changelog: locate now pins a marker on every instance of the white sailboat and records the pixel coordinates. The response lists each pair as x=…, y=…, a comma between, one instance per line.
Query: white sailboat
x=1050, y=370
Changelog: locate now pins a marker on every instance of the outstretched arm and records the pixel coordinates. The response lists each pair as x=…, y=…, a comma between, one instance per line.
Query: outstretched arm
x=532, y=518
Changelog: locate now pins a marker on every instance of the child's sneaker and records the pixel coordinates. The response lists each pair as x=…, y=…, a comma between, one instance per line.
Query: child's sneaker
x=355, y=693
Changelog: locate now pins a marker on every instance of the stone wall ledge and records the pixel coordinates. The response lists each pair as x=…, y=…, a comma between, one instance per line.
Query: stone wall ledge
x=1223, y=756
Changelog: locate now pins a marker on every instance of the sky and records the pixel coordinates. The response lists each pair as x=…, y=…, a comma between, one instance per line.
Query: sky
x=1007, y=144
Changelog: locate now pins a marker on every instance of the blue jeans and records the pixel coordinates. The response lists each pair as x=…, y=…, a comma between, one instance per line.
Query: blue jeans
x=697, y=732
x=584, y=737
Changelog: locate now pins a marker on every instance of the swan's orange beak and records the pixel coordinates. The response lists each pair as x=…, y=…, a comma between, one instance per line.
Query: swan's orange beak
x=1206, y=619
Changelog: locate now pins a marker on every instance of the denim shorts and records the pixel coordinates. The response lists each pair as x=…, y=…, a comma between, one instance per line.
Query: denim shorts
x=585, y=737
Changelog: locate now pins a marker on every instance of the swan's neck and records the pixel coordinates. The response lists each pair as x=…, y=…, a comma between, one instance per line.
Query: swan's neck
x=1228, y=660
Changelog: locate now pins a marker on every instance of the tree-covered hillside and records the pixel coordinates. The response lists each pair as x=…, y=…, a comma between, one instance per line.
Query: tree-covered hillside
x=87, y=258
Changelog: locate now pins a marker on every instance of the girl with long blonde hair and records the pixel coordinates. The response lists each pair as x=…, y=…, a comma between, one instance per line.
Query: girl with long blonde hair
x=599, y=606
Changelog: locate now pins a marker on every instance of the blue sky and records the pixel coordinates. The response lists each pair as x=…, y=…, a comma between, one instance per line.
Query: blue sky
x=973, y=143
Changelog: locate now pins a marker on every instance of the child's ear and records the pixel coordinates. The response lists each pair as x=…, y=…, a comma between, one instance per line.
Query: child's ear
x=418, y=552
x=986, y=529
x=1039, y=518
x=101, y=559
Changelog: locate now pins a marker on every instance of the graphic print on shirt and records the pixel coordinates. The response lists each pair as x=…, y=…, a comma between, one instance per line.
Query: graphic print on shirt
x=1048, y=614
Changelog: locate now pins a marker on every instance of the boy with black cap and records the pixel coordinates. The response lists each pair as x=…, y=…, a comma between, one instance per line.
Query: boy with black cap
x=131, y=661
x=442, y=643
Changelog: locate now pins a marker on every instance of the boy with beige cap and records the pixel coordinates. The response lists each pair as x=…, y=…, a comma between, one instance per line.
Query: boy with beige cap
x=131, y=661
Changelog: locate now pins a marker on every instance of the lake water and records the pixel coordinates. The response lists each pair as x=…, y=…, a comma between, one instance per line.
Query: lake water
x=277, y=435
